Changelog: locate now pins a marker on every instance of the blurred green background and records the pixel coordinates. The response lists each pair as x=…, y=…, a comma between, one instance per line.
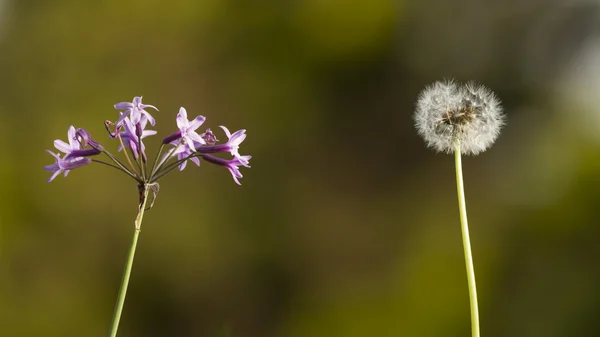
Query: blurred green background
x=346, y=224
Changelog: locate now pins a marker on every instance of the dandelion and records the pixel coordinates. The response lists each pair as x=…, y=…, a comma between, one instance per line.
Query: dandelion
x=129, y=130
x=447, y=114
x=462, y=120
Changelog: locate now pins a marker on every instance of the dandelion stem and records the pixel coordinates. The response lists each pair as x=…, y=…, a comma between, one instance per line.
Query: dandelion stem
x=127, y=272
x=466, y=243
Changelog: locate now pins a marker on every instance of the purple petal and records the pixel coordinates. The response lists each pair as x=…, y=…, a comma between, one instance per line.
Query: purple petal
x=144, y=106
x=244, y=160
x=51, y=168
x=181, y=120
x=195, y=160
x=135, y=116
x=237, y=138
x=235, y=173
x=53, y=176
x=72, y=141
x=55, y=155
x=123, y=106
x=147, y=133
x=196, y=138
x=226, y=131
x=62, y=146
x=123, y=117
x=193, y=125
x=150, y=118
x=73, y=164
x=182, y=165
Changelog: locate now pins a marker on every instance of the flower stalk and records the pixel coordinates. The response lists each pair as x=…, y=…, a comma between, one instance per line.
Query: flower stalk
x=114, y=326
x=462, y=207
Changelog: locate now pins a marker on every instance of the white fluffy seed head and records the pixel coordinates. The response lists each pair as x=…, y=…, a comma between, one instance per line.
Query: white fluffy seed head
x=447, y=114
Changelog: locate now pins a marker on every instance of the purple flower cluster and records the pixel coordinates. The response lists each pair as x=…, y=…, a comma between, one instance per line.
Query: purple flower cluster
x=130, y=130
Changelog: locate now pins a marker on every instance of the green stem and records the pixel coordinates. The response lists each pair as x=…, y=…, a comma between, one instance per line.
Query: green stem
x=466, y=243
x=127, y=272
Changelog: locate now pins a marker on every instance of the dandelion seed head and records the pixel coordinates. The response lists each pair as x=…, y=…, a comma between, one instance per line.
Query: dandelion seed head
x=447, y=113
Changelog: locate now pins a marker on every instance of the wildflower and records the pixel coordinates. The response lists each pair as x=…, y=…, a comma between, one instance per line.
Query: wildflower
x=232, y=145
x=448, y=115
x=61, y=165
x=133, y=134
x=130, y=129
x=135, y=111
x=231, y=165
x=187, y=130
x=85, y=139
x=73, y=144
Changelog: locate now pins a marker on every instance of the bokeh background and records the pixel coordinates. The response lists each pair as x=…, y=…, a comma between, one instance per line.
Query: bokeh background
x=346, y=224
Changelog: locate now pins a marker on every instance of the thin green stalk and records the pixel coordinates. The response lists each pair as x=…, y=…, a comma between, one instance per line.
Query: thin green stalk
x=127, y=272
x=114, y=166
x=156, y=160
x=163, y=161
x=118, y=162
x=166, y=169
x=466, y=243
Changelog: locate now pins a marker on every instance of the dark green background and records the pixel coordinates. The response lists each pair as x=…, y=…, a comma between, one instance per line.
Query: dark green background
x=346, y=225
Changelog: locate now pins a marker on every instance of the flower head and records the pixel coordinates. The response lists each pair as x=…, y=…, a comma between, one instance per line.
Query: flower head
x=135, y=111
x=448, y=115
x=186, y=142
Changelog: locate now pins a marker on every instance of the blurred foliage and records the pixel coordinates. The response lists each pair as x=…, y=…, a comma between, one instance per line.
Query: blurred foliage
x=346, y=225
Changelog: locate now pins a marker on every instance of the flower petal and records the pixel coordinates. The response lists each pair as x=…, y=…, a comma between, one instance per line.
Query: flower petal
x=54, y=176
x=181, y=120
x=62, y=146
x=123, y=106
x=226, y=130
x=194, y=124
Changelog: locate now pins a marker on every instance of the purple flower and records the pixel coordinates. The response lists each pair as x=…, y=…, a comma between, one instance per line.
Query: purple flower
x=135, y=111
x=61, y=165
x=187, y=130
x=232, y=145
x=73, y=144
x=130, y=135
x=231, y=165
x=85, y=139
